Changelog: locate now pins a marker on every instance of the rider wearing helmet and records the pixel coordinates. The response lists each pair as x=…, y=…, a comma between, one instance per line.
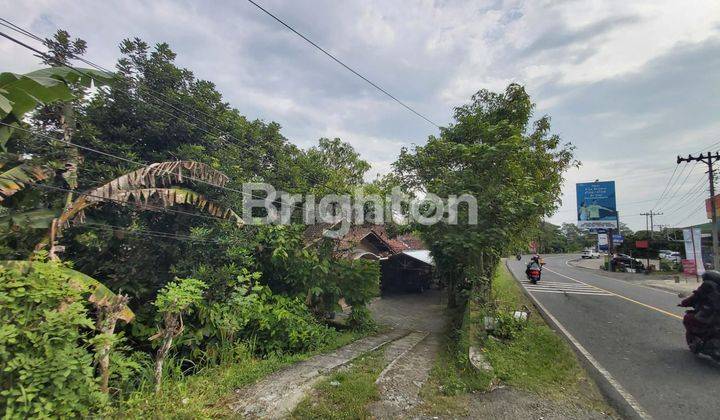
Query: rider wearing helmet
x=535, y=261
x=701, y=324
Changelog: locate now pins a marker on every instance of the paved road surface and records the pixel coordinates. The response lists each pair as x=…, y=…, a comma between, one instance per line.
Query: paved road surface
x=635, y=332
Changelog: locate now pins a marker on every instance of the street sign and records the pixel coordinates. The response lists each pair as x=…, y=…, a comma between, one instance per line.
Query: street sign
x=602, y=241
x=596, y=207
x=642, y=244
x=618, y=239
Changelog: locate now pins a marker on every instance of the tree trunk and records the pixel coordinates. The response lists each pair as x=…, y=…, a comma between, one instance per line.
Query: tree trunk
x=108, y=314
x=104, y=359
x=452, y=285
x=160, y=359
x=172, y=328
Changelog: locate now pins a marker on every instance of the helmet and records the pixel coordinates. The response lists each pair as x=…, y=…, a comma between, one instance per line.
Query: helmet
x=711, y=275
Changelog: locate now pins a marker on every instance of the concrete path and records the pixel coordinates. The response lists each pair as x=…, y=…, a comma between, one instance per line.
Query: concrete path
x=400, y=382
x=278, y=394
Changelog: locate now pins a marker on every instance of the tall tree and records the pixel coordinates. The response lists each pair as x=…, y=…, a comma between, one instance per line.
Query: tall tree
x=512, y=166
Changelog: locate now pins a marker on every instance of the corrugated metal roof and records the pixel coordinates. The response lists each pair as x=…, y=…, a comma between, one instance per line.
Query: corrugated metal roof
x=420, y=255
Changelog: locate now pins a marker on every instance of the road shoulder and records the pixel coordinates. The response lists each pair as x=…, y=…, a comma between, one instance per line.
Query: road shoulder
x=621, y=400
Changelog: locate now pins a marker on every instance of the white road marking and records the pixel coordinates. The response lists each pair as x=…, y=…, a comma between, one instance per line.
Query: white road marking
x=662, y=311
x=564, y=288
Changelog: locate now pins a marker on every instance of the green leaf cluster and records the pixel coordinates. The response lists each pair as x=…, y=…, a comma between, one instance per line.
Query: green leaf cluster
x=45, y=359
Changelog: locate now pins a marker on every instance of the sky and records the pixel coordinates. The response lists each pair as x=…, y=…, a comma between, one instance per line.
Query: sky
x=630, y=84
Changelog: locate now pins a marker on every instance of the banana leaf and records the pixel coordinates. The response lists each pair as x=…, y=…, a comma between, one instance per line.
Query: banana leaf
x=97, y=292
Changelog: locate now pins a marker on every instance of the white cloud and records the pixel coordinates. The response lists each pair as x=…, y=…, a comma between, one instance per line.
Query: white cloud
x=630, y=83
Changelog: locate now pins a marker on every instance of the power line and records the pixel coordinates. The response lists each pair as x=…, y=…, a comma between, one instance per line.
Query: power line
x=694, y=192
x=666, y=186
x=147, y=232
x=353, y=71
x=141, y=164
x=692, y=213
x=679, y=186
x=25, y=32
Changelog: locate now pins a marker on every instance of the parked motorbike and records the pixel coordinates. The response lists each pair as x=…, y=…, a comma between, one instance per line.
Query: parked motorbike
x=702, y=321
x=519, y=257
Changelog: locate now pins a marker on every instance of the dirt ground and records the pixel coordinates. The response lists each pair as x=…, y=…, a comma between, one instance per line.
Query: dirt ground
x=513, y=404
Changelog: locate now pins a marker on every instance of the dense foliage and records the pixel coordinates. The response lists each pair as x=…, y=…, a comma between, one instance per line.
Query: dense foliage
x=45, y=340
x=151, y=216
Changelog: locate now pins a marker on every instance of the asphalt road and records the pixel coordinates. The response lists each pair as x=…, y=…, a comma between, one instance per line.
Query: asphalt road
x=634, y=332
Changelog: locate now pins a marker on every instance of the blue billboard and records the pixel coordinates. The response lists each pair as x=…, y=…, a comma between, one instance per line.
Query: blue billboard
x=596, y=207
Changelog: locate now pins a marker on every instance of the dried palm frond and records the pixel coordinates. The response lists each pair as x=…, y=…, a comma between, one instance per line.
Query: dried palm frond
x=162, y=174
x=17, y=178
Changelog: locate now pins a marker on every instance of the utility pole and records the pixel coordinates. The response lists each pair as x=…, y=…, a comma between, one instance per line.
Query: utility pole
x=652, y=225
x=709, y=160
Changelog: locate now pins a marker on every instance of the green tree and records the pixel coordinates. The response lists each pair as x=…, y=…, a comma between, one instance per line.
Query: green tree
x=514, y=168
x=45, y=334
x=173, y=301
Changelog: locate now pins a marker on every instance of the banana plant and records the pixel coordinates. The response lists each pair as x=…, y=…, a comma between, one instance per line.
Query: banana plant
x=148, y=188
x=19, y=177
x=22, y=93
x=97, y=292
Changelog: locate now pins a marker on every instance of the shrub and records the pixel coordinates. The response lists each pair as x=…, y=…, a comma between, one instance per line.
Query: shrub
x=507, y=326
x=275, y=323
x=175, y=299
x=360, y=319
x=45, y=346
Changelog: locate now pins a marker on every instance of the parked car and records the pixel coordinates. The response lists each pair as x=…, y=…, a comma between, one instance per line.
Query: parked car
x=673, y=256
x=663, y=252
x=590, y=253
x=624, y=262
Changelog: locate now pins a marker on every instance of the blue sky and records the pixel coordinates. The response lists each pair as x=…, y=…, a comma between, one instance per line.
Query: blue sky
x=631, y=84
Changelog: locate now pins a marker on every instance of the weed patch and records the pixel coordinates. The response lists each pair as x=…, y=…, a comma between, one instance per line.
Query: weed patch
x=208, y=392
x=345, y=394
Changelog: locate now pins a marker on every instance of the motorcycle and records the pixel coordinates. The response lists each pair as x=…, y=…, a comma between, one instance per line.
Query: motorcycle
x=519, y=257
x=702, y=319
x=534, y=273
x=701, y=338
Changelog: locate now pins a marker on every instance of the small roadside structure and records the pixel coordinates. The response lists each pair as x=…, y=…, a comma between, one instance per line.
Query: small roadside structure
x=407, y=271
x=403, y=267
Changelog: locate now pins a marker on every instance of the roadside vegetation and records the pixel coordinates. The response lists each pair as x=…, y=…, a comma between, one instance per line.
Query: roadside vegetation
x=125, y=267
x=524, y=355
x=209, y=391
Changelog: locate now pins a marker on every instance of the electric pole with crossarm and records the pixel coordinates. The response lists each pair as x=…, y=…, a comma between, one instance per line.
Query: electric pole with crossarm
x=709, y=160
x=652, y=223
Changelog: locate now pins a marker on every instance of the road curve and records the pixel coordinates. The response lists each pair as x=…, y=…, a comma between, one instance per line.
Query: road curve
x=634, y=332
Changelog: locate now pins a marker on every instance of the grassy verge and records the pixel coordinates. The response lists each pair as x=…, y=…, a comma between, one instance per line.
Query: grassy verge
x=346, y=393
x=534, y=359
x=208, y=392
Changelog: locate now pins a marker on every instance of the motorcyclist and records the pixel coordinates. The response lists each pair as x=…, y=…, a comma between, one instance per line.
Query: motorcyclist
x=535, y=263
x=702, y=323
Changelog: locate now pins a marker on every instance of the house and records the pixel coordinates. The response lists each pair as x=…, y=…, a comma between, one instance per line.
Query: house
x=403, y=267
